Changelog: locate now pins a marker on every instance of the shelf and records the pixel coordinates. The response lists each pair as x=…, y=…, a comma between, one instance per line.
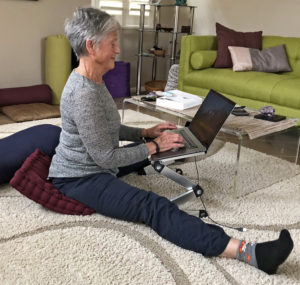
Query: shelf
x=147, y=54
x=173, y=57
x=169, y=5
x=158, y=31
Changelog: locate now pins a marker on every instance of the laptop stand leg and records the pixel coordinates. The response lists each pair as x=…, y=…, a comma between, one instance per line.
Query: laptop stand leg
x=192, y=188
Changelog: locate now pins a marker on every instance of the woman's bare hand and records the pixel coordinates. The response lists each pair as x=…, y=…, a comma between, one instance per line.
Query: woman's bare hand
x=166, y=141
x=158, y=130
x=169, y=140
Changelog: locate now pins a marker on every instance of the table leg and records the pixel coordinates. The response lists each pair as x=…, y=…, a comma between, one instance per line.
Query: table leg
x=297, y=151
x=123, y=109
x=235, y=178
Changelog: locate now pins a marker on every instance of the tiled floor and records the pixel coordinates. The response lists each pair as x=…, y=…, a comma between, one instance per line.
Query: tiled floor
x=283, y=145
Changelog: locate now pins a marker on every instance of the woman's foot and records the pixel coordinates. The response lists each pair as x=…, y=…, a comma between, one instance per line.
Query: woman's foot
x=271, y=254
x=266, y=256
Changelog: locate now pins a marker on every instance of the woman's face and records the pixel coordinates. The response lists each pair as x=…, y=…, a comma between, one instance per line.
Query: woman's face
x=105, y=53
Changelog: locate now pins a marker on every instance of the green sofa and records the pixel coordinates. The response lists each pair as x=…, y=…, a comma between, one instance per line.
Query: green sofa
x=253, y=89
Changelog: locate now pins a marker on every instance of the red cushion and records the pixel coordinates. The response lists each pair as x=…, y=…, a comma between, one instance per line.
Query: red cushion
x=23, y=95
x=30, y=180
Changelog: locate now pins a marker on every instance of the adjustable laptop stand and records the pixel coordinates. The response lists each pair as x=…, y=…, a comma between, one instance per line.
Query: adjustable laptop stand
x=191, y=187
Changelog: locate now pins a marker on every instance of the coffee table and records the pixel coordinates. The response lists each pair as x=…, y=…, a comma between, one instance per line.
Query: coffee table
x=237, y=126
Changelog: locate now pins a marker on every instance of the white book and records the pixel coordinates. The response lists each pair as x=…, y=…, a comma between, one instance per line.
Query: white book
x=179, y=100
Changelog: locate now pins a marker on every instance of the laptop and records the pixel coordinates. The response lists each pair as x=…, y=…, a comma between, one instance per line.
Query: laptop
x=203, y=128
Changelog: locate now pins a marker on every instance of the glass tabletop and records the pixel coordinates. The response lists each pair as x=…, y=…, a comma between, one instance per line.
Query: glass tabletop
x=234, y=125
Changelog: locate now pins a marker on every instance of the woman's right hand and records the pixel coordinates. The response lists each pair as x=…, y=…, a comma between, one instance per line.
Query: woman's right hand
x=166, y=141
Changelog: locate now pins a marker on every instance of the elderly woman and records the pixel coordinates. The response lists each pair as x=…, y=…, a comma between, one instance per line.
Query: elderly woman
x=88, y=159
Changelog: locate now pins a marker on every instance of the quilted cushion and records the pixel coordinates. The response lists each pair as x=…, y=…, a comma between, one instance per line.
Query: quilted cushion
x=30, y=180
x=15, y=148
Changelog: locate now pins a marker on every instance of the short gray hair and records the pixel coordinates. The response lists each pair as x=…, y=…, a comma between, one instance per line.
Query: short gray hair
x=88, y=24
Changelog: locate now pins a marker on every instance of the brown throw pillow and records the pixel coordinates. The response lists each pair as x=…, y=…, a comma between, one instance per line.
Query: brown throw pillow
x=227, y=37
x=29, y=112
x=273, y=59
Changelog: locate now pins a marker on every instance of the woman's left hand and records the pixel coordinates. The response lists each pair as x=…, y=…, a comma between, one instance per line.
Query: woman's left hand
x=158, y=129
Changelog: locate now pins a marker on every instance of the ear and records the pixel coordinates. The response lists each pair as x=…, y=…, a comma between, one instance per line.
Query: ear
x=90, y=46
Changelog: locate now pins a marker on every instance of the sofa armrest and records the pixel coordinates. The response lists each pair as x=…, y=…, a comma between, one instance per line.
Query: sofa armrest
x=190, y=44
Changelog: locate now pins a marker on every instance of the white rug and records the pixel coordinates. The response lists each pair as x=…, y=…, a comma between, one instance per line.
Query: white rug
x=38, y=246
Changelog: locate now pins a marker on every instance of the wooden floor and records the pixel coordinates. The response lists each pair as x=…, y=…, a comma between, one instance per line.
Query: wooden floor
x=283, y=145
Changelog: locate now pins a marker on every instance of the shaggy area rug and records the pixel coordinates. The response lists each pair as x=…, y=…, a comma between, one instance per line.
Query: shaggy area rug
x=38, y=246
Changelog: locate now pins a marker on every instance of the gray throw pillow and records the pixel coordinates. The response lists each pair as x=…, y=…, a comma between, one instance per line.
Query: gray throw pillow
x=273, y=59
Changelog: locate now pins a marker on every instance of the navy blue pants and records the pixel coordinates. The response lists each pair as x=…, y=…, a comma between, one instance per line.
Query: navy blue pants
x=110, y=196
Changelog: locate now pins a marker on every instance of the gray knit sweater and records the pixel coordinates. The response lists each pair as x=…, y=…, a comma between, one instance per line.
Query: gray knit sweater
x=91, y=130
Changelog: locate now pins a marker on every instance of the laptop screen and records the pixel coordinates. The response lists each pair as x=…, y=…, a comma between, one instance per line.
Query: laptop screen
x=210, y=117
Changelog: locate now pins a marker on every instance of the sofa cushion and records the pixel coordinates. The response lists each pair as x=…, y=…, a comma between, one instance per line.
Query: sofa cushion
x=24, y=95
x=30, y=180
x=253, y=85
x=203, y=58
x=15, y=148
x=29, y=112
x=286, y=93
x=273, y=59
x=227, y=37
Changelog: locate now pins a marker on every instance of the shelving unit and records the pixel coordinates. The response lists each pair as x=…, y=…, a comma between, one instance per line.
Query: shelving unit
x=174, y=33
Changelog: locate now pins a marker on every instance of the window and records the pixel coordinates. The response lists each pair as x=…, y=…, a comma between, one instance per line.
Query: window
x=127, y=12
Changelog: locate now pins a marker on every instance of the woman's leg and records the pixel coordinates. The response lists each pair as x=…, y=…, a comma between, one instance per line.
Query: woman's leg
x=231, y=248
x=112, y=197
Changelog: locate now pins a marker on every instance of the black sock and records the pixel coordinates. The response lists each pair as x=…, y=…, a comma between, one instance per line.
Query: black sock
x=271, y=254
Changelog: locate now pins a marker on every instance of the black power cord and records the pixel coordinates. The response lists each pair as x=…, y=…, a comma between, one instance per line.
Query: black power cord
x=204, y=213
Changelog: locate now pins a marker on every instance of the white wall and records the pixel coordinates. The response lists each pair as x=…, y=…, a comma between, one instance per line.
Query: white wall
x=273, y=17
x=24, y=25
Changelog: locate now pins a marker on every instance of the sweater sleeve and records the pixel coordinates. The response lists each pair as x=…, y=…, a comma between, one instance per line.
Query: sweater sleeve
x=96, y=132
x=130, y=133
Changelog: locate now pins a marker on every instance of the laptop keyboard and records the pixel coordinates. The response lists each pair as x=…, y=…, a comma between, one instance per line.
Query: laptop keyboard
x=188, y=143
